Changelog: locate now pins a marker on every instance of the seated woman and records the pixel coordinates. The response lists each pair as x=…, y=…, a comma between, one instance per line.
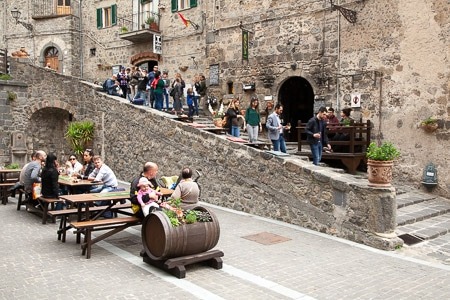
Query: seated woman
x=49, y=179
x=187, y=190
x=345, y=117
x=346, y=120
x=73, y=166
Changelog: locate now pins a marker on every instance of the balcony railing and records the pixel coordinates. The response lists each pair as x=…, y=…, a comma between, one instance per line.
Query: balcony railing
x=52, y=8
x=139, y=27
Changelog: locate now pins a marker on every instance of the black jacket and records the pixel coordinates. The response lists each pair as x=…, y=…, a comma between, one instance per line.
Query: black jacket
x=313, y=126
x=50, y=186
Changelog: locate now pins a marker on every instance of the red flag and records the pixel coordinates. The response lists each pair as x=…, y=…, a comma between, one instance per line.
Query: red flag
x=183, y=19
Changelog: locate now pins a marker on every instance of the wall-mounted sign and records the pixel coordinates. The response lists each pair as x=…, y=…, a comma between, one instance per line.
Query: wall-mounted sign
x=214, y=74
x=116, y=69
x=356, y=100
x=157, y=44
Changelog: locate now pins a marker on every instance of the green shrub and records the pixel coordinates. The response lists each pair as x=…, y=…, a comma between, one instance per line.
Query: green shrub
x=386, y=151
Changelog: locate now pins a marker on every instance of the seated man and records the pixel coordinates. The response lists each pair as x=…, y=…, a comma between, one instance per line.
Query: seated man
x=32, y=172
x=187, y=190
x=102, y=173
x=150, y=170
x=112, y=85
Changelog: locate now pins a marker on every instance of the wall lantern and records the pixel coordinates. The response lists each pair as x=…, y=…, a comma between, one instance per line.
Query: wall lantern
x=15, y=13
x=429, y=179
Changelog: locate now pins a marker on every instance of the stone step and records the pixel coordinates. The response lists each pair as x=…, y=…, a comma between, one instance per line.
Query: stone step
x=406, y=198
x=426, y=229
x=422, y=210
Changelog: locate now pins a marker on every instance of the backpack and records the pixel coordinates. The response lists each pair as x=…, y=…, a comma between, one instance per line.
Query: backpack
x=105, y=86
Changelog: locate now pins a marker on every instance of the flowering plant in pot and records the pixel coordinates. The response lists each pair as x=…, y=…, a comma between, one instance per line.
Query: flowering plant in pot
x=380, y=160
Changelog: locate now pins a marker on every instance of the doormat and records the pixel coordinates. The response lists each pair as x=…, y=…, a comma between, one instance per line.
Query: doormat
x=266, y=238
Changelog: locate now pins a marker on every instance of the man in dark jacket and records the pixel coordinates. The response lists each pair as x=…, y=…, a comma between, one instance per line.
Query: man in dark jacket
x=316, y=136
x=150, y=170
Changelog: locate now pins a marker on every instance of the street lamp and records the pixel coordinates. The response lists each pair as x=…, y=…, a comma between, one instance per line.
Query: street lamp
x=15, y=13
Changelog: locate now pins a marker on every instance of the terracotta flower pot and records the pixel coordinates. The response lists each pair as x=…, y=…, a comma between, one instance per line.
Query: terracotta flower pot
x=380, y=172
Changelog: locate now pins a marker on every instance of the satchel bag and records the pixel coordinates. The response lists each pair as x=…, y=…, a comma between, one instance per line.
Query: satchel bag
x=36, y=190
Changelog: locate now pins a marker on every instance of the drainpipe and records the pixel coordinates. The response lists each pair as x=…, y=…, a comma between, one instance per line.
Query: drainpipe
x=81, y=41
x=338, y=59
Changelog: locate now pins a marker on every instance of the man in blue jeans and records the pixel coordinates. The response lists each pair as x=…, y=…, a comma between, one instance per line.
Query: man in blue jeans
x=316, y=135
x=107, y=179
x=275, y=129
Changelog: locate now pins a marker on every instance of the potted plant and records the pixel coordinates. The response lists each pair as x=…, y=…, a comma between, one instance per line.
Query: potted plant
x=429, y=124
x=79, y=135
x=380, y=160
x=185, y=231
x=123, y=29
x=151, y=22
x=218, y=115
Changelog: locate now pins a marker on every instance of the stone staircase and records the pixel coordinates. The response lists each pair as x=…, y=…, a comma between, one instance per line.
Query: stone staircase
x=421, y=216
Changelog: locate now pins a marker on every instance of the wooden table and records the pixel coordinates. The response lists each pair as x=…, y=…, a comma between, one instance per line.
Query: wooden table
x=5, y=184
x=71, y=184
x=83, y=201
x=166, y=192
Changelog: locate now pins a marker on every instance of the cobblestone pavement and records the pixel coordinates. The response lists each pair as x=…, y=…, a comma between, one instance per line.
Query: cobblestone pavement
x=287, y=262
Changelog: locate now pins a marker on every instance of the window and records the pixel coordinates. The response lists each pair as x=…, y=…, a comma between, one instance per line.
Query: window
x=63, y=7
x=183, y=4
x=107, y=16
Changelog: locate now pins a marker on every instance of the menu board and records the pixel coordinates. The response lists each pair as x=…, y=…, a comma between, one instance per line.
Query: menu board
x=214, y=74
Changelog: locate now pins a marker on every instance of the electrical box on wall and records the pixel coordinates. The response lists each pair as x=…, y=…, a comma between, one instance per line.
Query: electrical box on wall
x=248, y=86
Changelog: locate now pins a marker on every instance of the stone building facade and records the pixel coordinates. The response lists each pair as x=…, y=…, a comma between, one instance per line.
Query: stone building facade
x=391, y=56
x=234, y=175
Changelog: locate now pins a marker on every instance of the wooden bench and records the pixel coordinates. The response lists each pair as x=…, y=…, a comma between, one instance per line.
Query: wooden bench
x=114, y=226
x=355, y=145
x=45, y=204
x=4, y=193
x=66, y=213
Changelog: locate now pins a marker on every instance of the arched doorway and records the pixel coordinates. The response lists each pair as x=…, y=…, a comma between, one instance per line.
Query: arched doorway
x=51, y=58
x=148, y=65
x=297, y=97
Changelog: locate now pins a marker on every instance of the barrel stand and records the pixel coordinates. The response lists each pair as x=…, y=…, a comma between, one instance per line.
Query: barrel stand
x=175, y=266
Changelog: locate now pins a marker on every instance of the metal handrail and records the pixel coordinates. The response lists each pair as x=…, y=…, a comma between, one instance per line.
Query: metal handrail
x=136, y=22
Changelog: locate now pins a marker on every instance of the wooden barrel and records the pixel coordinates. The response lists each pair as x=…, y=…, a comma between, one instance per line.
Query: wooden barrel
x=163, y=241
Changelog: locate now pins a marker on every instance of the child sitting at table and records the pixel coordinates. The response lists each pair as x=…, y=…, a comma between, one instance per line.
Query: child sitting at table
x=147, y=197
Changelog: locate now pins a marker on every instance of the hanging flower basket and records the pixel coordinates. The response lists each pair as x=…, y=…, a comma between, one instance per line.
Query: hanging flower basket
x=430, y=127
x=429, y=124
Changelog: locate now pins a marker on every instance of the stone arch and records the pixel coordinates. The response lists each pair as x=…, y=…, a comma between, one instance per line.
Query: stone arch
x=296, y=95
x=49, y=124
x=50, y=104
x=44, y=50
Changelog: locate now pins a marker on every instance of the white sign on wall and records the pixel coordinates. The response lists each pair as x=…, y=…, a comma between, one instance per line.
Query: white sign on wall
x=356, y=100
x=157, y=44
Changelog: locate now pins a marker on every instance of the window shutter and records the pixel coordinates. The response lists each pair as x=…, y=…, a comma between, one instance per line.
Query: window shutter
x=99, y=18
x=193, y=3
x=114, y=14
x=174, y=5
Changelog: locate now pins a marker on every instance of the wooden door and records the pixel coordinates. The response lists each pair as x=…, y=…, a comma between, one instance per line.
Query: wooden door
x=51, y=58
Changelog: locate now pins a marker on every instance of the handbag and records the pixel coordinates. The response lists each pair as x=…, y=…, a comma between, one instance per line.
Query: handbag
x=172, y=92
x=224, y=121
x=36, y=190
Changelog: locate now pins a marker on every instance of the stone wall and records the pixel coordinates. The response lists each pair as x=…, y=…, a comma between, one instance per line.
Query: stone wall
x=234, y=176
